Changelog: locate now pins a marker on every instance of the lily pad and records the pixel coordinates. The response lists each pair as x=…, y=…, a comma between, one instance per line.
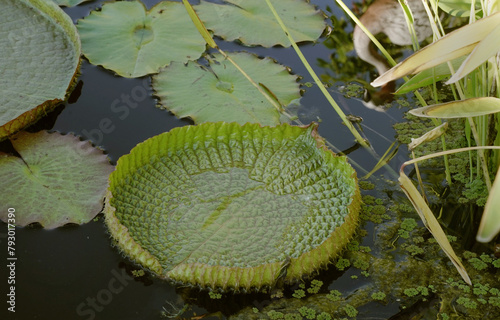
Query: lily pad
x=133, y=42
x=226, y=206
x=253, y=23
x=40, y=51
x=69, y=3
x=58, y=179
x=221, y=93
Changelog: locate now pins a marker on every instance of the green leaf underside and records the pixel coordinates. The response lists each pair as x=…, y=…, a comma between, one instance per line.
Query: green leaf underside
x=133, y=42
x=225, y=195
x=40, y=52
x=69, y=3
x=252, y=22
x=59, y=180
x=222, y=93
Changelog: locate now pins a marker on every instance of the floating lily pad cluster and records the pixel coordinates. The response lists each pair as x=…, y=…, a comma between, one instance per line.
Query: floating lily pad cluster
x=226, y=206
x=132, y=41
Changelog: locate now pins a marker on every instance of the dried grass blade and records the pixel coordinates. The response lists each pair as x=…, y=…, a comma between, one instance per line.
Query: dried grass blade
x=431, y=223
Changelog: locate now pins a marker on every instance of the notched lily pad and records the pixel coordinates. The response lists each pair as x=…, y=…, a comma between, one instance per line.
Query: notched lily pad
x=40, y=54
x=226, y=206
x=133, y=42
x=221, y=93
x=253, y=23
x=58, y=179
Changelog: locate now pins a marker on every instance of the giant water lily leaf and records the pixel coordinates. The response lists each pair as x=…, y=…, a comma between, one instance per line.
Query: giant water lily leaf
x=473, y=107
x=252, y=22
x=58, y=179
x=227, y=206
x=133, y=42
x=40, y=54
x=221, y=93
x=454, y=45
x=69, y=3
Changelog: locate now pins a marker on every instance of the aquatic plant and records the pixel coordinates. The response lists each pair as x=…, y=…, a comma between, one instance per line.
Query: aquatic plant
x=476, y=84
x=48, y=47
x=236, y=207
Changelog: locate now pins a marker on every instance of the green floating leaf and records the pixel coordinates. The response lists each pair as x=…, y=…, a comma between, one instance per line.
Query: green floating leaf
x=252, y=22
x=460, y=109
x=233, y=207
x=133, y=42
x=40, y=54
x=69, y=3
x=221, y=93
x=58, y=180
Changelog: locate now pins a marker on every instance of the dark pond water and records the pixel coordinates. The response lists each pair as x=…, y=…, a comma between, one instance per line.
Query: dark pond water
x=73, y=272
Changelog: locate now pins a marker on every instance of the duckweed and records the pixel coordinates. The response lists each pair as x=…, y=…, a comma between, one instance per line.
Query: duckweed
x=411, y=292
x=378, y=296
x=275, y=315
x=350, y=310
x=486, y=258
x=342, y=264
x=315, y=286
x=299, y=294
x=365, y=185
x=368, y=200
x=138, y=273
x=478, y=264
x=466, y=302
x=215, y=295
x=324, y=316
x=334, y=295
x=308, y=313
x=378, y=210
x=413, y=249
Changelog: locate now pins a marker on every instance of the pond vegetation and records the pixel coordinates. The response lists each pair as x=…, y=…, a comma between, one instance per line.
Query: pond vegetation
x=404, y=262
